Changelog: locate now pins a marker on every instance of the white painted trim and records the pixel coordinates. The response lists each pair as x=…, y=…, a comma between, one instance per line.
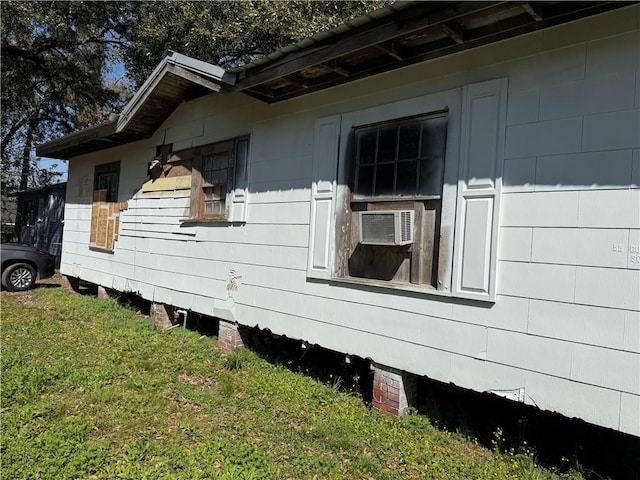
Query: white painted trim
x=481, y=162
x=323, y=198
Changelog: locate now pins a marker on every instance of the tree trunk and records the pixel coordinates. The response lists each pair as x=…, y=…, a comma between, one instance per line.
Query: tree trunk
x=24, y=174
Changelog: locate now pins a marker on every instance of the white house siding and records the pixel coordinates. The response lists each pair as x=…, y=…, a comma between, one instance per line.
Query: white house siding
x=564, y=332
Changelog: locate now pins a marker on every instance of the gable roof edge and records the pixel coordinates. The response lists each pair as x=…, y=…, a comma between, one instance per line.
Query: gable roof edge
x=208, y=72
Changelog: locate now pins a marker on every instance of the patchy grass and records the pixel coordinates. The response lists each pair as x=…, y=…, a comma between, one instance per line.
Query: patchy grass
x=90, y=391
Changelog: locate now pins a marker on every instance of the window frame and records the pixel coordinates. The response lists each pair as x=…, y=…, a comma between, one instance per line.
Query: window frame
x=107, y=168
x=199, y=184
x=106, y=207
x=417, y=263
x=449, y=101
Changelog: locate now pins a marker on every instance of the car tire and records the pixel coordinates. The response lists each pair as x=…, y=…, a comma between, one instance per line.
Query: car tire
x=18, y=277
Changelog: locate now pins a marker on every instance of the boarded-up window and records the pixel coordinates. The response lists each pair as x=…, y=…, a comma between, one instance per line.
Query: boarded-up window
x=105, y=209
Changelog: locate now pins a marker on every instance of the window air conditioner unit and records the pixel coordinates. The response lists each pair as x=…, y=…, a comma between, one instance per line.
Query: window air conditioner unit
x=386, y=227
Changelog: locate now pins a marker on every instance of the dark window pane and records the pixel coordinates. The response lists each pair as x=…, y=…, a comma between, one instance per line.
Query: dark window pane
x=365, y=181
x=387, y=141
x=408, y=156
x=384, y=179
x=406, y=179
x=241, y=163
x=367, y=147
x=409, y=145
x=221, y=161
x=434, y=136
x=430, y=181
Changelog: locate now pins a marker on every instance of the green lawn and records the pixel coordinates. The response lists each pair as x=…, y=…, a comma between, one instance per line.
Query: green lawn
x=90, y=391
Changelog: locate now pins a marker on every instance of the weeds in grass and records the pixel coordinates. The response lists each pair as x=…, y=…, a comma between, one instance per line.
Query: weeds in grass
x=90, y=391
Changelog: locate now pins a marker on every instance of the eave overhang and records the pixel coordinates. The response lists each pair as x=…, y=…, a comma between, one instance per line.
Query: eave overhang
x=399, y=35
x=396, y=36
x=175, y=79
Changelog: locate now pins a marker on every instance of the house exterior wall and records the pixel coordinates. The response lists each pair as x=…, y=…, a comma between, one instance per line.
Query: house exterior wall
x=564, y=331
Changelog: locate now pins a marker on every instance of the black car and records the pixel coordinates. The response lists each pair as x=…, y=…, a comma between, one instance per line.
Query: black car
x=22, y=264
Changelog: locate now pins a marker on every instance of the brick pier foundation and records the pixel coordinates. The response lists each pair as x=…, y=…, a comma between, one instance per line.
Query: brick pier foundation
x=393, y=390
x=162, y=316
x=70, y=284
x=103, y=292
x=229, y=338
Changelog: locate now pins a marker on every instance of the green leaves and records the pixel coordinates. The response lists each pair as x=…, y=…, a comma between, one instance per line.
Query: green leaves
x=53, y=58
x=229, y=33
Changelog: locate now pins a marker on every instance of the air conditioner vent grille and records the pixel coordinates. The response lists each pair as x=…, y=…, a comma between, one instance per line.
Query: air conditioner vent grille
x=392, y=227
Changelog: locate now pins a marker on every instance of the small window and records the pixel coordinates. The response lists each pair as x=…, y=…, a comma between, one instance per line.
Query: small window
x=105, y=209
x=106, y=179
x=397, y=166
x=218, y=168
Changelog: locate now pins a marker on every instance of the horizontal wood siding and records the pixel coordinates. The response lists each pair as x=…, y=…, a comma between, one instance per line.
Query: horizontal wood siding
x=564, y=331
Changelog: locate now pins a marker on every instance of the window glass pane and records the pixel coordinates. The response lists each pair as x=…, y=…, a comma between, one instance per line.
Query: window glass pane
x=407, y=157
x=365, y=181
x=384, y=179
x=241, y=163
x=107, y=181
x=406, y=180
x=387, y=142
x=430, y=178
x=220, y=162
x=367, y=147
x=208, y=163
x=434, y=136
x=409, y=145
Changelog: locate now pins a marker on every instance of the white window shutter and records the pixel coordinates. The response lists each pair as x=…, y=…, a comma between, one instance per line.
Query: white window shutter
x=479, y=184
x=323, y=193
x=239, y=194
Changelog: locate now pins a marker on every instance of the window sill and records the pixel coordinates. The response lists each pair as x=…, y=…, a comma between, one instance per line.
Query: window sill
x=402, y=288
x=101, y=249
x=390, y=285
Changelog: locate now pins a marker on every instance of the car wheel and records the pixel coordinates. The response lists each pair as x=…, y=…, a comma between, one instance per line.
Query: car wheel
x=18, y=277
